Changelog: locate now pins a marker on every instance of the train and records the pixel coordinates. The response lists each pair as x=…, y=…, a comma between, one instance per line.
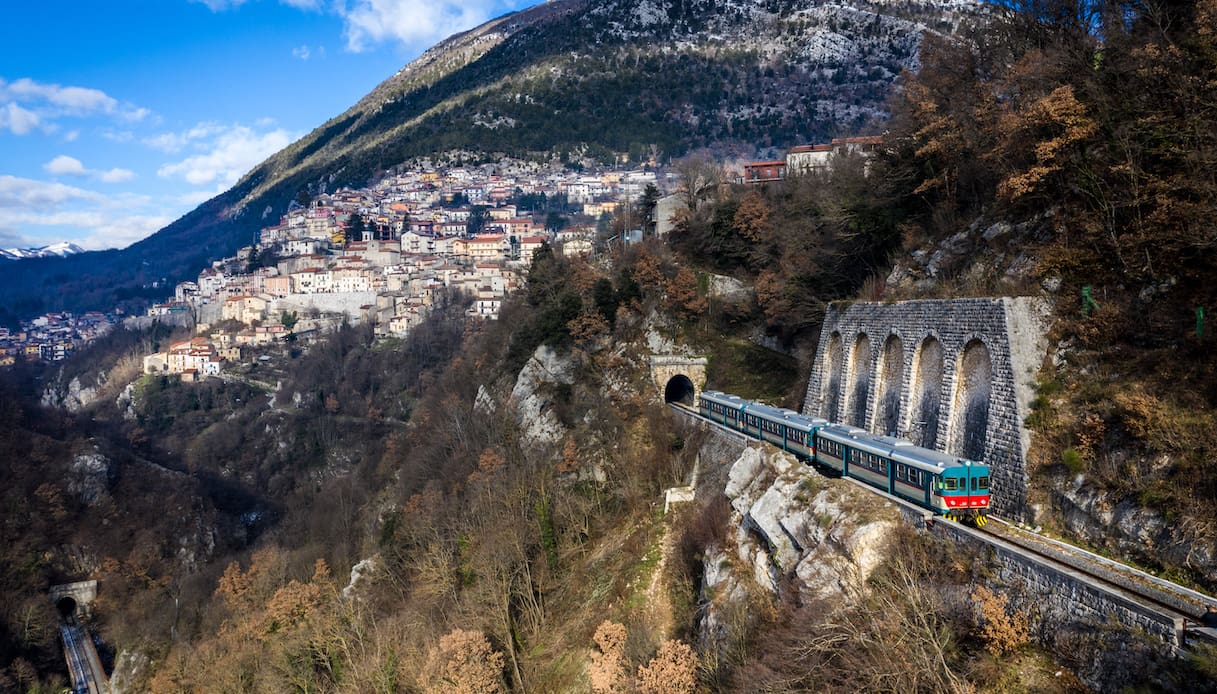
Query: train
x=948, y=486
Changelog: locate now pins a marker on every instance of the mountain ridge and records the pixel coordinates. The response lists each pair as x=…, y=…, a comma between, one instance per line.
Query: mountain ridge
x=569, y=80
x=54, y=250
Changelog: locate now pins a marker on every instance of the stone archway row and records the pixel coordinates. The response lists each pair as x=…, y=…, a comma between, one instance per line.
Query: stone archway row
x=893, y=387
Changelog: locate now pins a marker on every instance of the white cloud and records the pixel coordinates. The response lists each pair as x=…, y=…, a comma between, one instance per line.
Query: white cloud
x=197, y=197
x=121, y=232
x=17, y=193
x=301, y=52
x=122, y=137
x=90, y=219
x=303, y=4
x=411, y=22
x=19, y=120
x=71, y=135
x=27, y=105
x=10, y=238
x=64, y=165
x=225, y=153
x=77, y=100
x=116, y=175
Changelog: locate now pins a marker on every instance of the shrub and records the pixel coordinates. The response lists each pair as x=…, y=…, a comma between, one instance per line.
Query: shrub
x=673, y=670
x=1003, y=628
x=463, y=663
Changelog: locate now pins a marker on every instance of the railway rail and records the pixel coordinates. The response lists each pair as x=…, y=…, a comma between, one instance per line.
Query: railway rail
x=88, y=675
x=1173, y=603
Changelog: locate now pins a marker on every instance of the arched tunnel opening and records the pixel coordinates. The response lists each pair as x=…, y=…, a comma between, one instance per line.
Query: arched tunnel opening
x=66, y=606
x=679, y=390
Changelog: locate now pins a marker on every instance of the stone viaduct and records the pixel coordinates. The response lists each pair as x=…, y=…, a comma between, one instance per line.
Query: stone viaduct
x=954, y=375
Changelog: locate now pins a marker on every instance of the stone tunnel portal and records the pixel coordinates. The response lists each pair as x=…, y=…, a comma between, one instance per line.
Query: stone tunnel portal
x=66, y=607
x=680, y=389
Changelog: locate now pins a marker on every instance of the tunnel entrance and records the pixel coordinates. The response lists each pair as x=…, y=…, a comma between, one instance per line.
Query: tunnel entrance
x=66, y=607
x=679, y=390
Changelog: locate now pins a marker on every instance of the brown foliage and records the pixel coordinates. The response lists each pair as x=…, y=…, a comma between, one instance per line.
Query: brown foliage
x=648, y=272
x=1004, y=629
x=673, y=670
x=752, y=217
x=1053, y=125
x=607, y=671
x=682, y=294
x=587, y=327
x=463, y=663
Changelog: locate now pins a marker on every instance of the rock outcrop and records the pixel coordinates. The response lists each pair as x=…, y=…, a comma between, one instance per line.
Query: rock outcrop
x=792, y=523
x=533, y=397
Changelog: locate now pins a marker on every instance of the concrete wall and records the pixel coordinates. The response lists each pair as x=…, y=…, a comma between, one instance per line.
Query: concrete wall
x=955, y=375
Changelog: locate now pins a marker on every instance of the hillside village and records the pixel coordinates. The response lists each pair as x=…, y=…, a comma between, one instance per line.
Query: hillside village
x=381, y=253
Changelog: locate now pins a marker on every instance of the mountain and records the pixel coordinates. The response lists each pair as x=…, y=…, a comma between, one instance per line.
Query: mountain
x=55, y=250
x=573, y=80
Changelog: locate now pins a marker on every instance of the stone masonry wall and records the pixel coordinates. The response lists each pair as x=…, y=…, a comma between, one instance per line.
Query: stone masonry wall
x=1110, y=641
x=1011, y=332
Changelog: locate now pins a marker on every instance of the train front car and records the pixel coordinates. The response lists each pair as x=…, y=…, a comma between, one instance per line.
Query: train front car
x=964, y=491
x=957, y=488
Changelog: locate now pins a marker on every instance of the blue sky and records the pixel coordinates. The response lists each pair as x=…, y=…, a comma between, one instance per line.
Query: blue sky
x=116, y=118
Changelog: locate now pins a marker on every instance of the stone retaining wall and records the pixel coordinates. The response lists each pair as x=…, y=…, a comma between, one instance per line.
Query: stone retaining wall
x=955, y=375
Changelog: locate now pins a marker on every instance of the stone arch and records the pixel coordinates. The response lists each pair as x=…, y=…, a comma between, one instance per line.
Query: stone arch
x=925, y=393
x=859, y=382
x=970, y=401
x=887, y=388
x=680, y=389
x=834, y=362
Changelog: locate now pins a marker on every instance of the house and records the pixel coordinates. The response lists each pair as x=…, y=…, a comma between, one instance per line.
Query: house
x=245, y=309
x=806, y=159
x=529, y=245
x=759, y=172
x=279, y=286
x=211, y=281
x=194, y=354
x=487, y=247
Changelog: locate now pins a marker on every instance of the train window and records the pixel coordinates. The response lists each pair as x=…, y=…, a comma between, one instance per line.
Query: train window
x=951, y=484
x=979, y=483
x=984, y=482
x=883, y=466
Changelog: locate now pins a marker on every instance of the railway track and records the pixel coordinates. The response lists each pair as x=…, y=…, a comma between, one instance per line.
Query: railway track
x=88, y=676
x=1173, y=603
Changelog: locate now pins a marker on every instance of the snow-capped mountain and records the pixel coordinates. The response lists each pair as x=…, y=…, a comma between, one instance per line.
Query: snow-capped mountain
x=55, y=250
